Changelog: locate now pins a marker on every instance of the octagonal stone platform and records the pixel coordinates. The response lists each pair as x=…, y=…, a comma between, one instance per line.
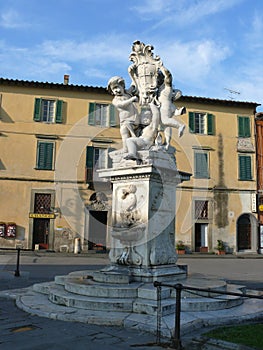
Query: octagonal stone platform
x=82, y=296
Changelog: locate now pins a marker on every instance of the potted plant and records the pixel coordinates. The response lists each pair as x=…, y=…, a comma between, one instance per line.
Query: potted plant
x=180, y=247
x=221, y=249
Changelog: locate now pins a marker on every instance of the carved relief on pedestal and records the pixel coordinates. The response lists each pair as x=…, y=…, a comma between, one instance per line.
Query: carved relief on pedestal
x=98, y=201
x=128, y=226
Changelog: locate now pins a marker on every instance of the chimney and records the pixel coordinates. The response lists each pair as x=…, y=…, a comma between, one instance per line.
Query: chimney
x=66, y=79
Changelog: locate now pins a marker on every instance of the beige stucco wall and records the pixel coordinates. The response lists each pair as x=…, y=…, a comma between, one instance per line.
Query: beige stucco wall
x=19, y=178
x=223, y=174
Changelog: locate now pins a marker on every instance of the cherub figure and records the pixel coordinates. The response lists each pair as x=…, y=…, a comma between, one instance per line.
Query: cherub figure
x=148, y=136
x=125, y=104
x=166, y=96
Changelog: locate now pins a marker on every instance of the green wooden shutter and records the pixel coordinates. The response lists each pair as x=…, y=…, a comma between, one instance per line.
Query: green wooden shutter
x=191, y=122
x=245, y=168
x=201, y=165
x=49, y=155
x=109, y=158
x=112, y=115
x=89, y=163
x=91, y=117
x=240, y=126
x=59, y=108
x=244, y=127
x=45, y=155
x=210, y=124
x=37, y=110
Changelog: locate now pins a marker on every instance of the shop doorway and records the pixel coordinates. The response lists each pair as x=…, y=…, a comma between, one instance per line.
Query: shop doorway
x=41, y=233
x=41, y=226
x=201, y=236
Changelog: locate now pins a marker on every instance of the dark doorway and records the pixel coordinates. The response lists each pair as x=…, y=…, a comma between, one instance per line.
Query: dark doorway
x=40, y=233
x=244, y=232
x=201, y=232
x=98, y=228
x=41, y=226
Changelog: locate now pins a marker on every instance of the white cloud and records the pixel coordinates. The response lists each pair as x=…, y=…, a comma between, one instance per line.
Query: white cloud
x=112, y=47
x=183, y=12
x=152, y=7
x=52, y=58
x=194, y=61
x=25, y=63
x=204, y=8
x=255, y=33
x=12, y=19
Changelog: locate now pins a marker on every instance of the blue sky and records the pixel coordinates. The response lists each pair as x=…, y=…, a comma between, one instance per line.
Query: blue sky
x=210, y=46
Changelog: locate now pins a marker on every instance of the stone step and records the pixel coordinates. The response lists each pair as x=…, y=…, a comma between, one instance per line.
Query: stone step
x=39, y=304
x=210, y=304
x=149, y=307
x=94, y=289
x=44, y=287
x=148, y=291
x=111, y=277
x=188, y=304
x=205, y=283
x=58, y=295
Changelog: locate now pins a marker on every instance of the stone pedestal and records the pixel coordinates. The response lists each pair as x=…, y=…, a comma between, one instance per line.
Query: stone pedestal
x=143, y=214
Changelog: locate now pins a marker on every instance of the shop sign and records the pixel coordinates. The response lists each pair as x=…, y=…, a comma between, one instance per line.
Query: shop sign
x=41, y=216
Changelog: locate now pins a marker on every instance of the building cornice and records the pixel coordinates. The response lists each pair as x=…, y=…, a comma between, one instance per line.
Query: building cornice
x=103, y=90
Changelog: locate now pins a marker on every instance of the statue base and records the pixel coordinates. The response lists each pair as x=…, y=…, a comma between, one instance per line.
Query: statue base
x=120, y=274
x=142, y=233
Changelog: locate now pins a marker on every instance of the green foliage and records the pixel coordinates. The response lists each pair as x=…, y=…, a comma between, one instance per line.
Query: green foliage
x=220, y=245
x=249, y=335
x=180, y=245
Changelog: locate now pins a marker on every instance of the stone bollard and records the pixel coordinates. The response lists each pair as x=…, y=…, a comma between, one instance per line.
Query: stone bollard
x=77, y=246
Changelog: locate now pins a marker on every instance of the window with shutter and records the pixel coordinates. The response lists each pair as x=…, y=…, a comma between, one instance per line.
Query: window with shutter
x=48, y=111
x=45, y=152
x=101, y=114
x=201, y=165
x=96, y=158
x=244, y=127
x=245, y=171
x=202, y=123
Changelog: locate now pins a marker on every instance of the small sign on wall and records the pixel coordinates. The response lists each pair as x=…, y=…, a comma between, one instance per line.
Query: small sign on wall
x=41, y=216
x=253, y=202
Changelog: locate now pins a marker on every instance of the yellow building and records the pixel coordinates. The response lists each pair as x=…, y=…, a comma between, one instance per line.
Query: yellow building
x=55, y=136
x=52, y=135
x=219, y=202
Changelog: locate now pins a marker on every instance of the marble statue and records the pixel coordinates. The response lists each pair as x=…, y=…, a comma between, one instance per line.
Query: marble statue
x=152, y=91
x=144, y=173
x=124, y=102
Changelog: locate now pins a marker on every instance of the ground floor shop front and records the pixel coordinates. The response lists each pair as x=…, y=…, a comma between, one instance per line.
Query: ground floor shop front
x=71, y=218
